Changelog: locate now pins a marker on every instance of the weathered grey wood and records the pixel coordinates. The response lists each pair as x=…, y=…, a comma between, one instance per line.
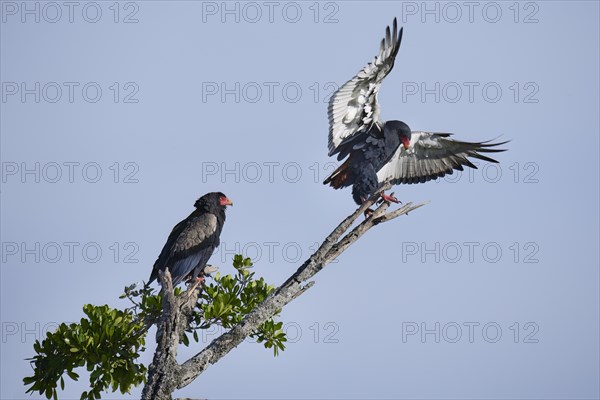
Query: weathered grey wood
x=164, y=370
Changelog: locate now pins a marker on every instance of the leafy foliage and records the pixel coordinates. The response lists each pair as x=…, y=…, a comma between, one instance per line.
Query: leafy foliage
x=226, y=301
x=109, y=341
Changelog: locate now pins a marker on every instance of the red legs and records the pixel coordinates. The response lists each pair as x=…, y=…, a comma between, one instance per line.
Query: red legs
x=389, y=198
x=199, y=280
x=384, y=197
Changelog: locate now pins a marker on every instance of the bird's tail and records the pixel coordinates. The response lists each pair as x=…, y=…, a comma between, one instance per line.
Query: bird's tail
x=339, y=178
x=153, y=277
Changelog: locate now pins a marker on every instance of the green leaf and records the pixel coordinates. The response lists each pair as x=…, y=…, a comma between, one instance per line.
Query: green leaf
x=185, y=340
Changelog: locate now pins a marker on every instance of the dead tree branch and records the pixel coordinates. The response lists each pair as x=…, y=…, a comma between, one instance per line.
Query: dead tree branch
x=331, y=248
x=177, y=311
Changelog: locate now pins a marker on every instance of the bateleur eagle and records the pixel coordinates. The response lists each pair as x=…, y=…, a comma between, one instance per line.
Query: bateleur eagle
x=193, y=240
x=387, y=151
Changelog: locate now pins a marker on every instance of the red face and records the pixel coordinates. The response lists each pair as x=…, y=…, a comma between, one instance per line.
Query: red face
x=224, y=201
x=405, y=141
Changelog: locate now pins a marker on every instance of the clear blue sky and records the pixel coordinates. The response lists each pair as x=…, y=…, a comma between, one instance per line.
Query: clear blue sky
x=111, y=130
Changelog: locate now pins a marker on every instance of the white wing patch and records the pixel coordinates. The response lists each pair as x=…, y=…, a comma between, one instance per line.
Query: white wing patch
x=432, y=155
x=353, y=108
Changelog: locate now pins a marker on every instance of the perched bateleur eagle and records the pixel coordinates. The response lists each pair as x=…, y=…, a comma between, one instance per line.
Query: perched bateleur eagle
x=382, y=152
x=193, y=240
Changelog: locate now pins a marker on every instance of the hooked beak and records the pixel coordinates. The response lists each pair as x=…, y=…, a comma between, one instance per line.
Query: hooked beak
x=226, y=202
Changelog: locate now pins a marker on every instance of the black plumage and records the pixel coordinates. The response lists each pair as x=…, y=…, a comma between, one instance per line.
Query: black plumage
x=368, y=154
x=193, y=240
x=387, y=152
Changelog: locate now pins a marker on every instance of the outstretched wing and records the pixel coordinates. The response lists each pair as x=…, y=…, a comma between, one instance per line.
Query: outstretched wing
x=431, y=156
x=191, y=242
x=353, y=108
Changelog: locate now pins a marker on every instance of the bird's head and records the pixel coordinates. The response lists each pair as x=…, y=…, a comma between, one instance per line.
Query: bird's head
x=405, y=139
x=402, y=130
x=213, y=200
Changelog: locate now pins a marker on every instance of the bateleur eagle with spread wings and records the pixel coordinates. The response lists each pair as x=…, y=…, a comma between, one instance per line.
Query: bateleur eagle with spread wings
x=380, y=152
x=193, y=241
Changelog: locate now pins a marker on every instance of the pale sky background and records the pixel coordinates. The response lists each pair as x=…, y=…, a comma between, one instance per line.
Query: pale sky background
x=509, y=251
